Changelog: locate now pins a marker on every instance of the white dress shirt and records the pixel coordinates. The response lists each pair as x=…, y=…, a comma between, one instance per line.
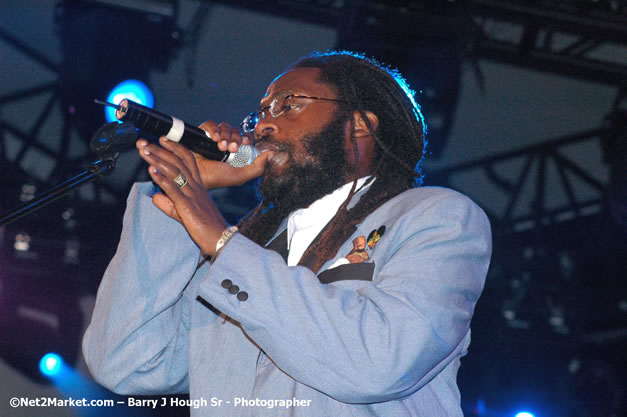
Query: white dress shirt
x=303, y=225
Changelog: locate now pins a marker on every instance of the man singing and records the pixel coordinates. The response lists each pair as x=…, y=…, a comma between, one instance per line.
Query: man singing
x=348, y=291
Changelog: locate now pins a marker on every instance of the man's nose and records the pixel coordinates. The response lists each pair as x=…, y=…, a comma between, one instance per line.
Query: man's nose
x=266, y=127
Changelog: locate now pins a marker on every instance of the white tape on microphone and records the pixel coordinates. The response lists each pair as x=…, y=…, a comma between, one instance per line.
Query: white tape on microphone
x=176, y=131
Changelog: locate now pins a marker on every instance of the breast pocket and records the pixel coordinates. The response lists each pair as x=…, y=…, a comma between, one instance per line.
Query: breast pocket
x=358, y=271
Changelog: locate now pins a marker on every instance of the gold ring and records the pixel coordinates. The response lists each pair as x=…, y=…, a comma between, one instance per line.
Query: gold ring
x=180, y=180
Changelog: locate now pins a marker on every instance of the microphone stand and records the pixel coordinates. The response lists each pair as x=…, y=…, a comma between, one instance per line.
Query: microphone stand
x=107, y=143
x=95, y=172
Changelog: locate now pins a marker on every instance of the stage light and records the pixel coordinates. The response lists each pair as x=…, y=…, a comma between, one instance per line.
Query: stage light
x=50, y=364
x=525, y=414
x=134, y=90
x=22, y=242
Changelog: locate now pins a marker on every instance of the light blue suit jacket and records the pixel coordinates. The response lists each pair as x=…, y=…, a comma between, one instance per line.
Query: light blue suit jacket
x=385, y=342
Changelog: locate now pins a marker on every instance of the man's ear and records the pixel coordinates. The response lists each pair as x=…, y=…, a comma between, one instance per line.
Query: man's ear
x=361, y=128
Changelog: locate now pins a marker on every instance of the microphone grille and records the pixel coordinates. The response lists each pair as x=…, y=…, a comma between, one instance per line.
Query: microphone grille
x=244, y=156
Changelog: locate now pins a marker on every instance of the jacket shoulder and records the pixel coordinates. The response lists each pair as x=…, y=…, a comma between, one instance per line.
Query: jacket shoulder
x=425, y=198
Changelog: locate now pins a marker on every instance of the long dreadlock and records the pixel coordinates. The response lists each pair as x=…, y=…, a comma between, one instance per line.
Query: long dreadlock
x=364, y=85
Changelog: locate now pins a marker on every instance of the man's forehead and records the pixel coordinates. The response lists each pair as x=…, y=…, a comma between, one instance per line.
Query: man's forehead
x=298, y=80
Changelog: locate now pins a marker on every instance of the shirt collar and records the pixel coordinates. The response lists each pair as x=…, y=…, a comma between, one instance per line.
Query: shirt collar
x=313, y=218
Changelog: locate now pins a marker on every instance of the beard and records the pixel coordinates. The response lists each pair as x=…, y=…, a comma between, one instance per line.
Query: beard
x=320, y=170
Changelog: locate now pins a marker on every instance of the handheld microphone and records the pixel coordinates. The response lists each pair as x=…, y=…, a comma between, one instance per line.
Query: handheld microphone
x=193, y=138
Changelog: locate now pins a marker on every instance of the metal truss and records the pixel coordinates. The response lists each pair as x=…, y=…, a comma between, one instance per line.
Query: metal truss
x=508, y=173
x=555, y=260
x=580, y=39
x=529, y=236
x=565, y=37
x=33, y=143
x=574, y=38
x=556, y=282
x=52, y=146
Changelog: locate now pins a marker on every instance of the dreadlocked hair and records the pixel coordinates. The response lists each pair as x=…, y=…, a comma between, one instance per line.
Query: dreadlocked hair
x=363, y=85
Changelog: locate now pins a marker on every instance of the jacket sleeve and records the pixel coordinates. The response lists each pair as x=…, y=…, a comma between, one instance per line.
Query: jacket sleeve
x=371, y=341
x=136, y=342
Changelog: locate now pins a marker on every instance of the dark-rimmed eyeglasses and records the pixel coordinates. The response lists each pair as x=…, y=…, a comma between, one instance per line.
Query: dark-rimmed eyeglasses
x=277, y=107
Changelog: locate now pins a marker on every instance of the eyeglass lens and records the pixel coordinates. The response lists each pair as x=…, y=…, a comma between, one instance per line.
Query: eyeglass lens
x=276, y=108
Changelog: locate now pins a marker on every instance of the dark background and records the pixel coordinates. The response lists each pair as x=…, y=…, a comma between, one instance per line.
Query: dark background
x=525, y=102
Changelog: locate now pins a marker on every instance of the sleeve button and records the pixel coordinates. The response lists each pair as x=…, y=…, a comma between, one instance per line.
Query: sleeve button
x=242, y=296
x=234, y=289
x=226, y=283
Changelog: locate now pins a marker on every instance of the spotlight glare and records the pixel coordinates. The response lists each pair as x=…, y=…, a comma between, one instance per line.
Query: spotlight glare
x=50, y=364
x=134, y=90
x=525, y=414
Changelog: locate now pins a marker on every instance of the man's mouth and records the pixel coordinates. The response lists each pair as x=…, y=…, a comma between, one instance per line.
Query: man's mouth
x=266, y=143
x=281, y=150
x=265, y=146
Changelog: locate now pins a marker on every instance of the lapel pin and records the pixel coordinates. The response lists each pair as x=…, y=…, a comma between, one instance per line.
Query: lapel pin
x=375, y=235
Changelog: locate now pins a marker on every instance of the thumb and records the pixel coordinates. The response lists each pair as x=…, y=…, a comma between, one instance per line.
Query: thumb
x=163, y=203
x=260, y=162
x=253, y=170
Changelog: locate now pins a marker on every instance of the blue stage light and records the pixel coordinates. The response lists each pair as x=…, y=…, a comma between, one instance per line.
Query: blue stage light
x=50, y=364
x=525, y=414
x=134, y=90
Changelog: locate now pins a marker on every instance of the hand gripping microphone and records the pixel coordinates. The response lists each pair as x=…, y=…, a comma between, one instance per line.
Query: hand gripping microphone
x=193, y=138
